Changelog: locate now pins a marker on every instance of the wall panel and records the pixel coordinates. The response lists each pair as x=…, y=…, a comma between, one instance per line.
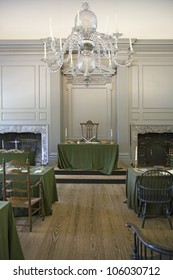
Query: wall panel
x=157, y=86
x=93, y=103
x=18, y=87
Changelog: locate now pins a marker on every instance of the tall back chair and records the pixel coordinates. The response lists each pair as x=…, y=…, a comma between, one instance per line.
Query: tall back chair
x=155, y=187
x=89, y=130
x=145, y=250
x=20, y=192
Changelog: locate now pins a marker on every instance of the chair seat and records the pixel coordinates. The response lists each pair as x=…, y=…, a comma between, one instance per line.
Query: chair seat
x=23, y=202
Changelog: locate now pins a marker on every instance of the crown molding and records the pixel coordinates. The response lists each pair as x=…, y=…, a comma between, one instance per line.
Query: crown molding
x=36, y=46
x=21, y=47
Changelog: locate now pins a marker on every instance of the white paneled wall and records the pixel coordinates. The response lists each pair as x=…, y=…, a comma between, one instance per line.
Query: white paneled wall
x=88, y=103
x=24, y=91
x=141, y=94
x=152, y=92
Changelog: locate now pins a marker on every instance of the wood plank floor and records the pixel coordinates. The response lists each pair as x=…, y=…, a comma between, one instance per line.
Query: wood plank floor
x=88, y=223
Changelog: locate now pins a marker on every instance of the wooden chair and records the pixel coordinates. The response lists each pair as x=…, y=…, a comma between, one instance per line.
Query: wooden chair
x=144, y=250
x=89, y=130
x=21, y=192
x=155, y=187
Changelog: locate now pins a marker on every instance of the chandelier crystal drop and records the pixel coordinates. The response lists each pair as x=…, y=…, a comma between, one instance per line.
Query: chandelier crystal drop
x=86, y=51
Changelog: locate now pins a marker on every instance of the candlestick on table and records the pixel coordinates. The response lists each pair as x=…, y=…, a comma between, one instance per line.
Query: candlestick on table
x=2, y=144
x=42, y=155
x=15, y=143
x=111, y=133
x=136, y=156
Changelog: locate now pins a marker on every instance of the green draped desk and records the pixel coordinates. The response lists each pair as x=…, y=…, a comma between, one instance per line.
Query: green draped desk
x=133, y=176
x=47, y=176
x=20, y=156
x=10, y=247
x=101, y=157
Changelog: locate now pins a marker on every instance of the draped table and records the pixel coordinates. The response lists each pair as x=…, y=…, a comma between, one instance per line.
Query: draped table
x=10, y=247
x=101, y=157
x=133, y=175
x=47, y=175
x=17, y=155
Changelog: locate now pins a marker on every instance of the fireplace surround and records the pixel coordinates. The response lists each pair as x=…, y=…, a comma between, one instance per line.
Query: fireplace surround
x=41, y=137
x=152, y=145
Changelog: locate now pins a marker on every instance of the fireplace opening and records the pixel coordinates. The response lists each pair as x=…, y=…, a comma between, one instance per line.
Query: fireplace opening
x=155, y=149
x=26, y=141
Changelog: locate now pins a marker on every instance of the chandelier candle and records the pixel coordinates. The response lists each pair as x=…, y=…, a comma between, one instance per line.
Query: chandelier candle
x=44, y=50
x=51, y=33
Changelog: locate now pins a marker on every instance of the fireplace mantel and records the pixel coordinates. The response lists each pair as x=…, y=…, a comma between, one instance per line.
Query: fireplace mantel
x=42, y=129
x=142, y=129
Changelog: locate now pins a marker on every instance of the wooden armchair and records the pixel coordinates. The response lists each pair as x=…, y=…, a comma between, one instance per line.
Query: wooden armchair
x=144, y=250
x=21, y=192
x=89, y=130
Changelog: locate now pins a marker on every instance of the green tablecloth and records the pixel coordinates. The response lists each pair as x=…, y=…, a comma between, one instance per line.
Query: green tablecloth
x=102, y=157
x=49, y=185
x=10, y=248
x=20, y=156
x=131, y=192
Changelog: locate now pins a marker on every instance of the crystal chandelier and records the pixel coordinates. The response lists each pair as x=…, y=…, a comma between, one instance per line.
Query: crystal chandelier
x=94, y=52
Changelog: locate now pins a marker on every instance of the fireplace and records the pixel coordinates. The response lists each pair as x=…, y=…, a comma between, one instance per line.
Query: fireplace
x=28, y=138
x=152, y=145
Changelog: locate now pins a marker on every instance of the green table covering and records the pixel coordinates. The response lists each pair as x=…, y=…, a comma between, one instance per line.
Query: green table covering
x=49, y=186
x=102, y=157
x=133, y=176
x=47, y=176
x=10, y=247
x=20, y=156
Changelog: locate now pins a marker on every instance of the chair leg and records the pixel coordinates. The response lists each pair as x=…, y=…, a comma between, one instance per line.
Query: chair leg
x=168, y=216
x=139, y=208
x=30, y=219
x=144, y=214
x=170, y=223
x=42, y=210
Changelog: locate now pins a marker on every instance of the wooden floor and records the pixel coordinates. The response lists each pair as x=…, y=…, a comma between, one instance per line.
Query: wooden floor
x=88, y=223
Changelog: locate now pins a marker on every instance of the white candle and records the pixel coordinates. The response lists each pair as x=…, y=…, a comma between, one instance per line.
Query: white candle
x=107, y=25
x=110, y=59
x=2, y=144
x=116, y=24
x=42, y=155
x=45, y=50
x=71, y=60
x=78, y=21
x=130, y=42
x=136, y=154
x=60, y=43
x=15, y=144
x=111, y=133
x=51, y=33
x=66, y=132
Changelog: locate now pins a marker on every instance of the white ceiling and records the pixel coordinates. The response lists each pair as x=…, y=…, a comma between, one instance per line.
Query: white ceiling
x=141, y=19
